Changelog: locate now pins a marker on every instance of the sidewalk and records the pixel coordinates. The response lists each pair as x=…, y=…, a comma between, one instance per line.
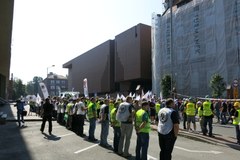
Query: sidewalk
x=11, y=112
x=224, y=135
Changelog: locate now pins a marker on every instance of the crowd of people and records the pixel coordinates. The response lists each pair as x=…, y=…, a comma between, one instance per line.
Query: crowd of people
x=127, y=114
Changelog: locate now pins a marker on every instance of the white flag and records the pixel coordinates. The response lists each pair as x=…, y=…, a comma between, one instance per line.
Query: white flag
x=44, y=90
x=39, y=99
x=85, y=87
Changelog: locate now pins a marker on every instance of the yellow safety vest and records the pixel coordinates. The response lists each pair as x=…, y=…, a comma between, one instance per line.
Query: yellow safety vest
x=111, y=106
x=113, y=119
x=158, y=107
x=90, y=112
x=191, y=110
x=200, y=112
x=207, y=108
x=138, y=122
x=236, y=120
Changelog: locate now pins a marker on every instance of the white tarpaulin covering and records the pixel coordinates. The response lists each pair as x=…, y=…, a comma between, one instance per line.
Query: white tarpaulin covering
x=206, y=35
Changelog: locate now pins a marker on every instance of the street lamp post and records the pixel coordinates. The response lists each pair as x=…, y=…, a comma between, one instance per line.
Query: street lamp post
x=48, y=68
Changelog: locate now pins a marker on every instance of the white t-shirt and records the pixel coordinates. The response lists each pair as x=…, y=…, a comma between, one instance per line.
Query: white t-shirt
x=80, y=105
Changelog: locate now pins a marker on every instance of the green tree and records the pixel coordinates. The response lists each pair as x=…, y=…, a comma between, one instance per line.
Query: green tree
x=19, y=89
x=217, y=85
x=36, y=81
x=32, y=87
x=166, y=86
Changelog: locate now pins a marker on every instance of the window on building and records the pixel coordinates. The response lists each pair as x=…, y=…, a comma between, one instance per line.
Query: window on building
x=57, y=81
x=63, y=82
x=63, y=87
x=52, y=82
x=52, y=87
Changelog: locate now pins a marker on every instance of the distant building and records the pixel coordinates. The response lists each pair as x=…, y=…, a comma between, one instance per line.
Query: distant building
x=6, y=19
x=115, y=65
x=56, y=84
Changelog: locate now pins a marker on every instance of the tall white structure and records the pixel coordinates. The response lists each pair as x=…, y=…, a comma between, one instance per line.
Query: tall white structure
x=206, y=40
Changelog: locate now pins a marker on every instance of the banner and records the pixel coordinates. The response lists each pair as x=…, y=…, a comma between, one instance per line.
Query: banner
x=44, y=90
x=85, y=87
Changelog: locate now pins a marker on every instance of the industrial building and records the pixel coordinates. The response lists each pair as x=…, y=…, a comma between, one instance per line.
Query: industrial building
x=117, y=65
x=6, y=19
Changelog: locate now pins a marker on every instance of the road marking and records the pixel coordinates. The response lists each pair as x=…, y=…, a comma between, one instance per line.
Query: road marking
x=69, y=134
x=151, y=157
x=79, y=151
x=197, y=151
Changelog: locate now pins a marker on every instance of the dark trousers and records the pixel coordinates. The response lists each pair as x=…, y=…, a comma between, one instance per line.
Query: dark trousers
x=75, y=123
x=142, y=146
x=81, y=124
x=184, y=120
x=207, y=121
x=60, y=118
x=69, y=122
x=49, y=119
x=166, y=143
x=92, y=128
x=237, y=128
x=20, y=117
x=223, y=117
x=116, y=139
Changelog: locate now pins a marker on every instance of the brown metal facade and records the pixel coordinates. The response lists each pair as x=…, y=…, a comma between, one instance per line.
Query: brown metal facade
x=95, y=65
x=133, y=58
x=116, y=65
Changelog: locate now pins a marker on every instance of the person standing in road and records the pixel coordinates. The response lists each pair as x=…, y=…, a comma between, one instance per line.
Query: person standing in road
x=20, y=108
x=168, y=128
x=104, y=120
x=126, y=127
x=47, y=115
x=200, y=114
x=92, y=116
x=116, y=127
x=207, y=110
x=80, y=116
x=236, y=121
x=191, y=112
x=142, y=127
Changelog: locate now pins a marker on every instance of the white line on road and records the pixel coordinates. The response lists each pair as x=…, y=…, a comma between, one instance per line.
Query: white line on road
x=197, y=151
x=79, y=151
x=69, y=134
x=151, y=158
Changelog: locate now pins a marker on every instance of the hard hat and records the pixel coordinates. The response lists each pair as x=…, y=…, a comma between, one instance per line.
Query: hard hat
x=236, y=104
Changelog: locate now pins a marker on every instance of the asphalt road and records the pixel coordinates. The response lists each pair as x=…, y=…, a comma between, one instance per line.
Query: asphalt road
x=29, y=143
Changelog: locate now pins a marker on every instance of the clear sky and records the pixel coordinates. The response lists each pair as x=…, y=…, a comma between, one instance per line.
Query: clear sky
x=53, y=32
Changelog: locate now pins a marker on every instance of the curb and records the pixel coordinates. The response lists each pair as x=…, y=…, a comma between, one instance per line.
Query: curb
x=215, y=141
x=26, y=120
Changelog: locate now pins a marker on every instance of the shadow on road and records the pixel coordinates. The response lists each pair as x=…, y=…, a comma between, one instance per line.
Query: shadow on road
x=12, y=144
x=51, y=137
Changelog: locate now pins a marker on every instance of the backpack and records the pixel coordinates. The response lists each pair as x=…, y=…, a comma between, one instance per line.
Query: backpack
x=123, y=112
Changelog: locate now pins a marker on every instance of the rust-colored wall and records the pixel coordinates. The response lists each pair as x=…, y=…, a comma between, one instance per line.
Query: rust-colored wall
x=133, y=54
x=95, y=65
x=115, y=66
